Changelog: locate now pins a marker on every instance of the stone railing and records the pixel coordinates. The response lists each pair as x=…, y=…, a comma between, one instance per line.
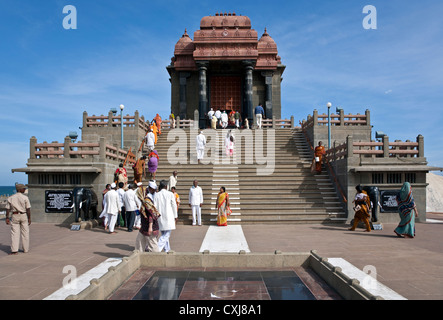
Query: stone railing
x=68, y=149
x=278, y=123
x=337, y=119
x=112, y=120
x=384, y=149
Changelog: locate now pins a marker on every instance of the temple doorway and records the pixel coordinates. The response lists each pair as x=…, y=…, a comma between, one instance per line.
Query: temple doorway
x=225, y=93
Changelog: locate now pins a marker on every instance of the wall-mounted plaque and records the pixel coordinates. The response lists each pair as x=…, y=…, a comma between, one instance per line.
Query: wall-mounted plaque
x=388, y=200
x=59, y=201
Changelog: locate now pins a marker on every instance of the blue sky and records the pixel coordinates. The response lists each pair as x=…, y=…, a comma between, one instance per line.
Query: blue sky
x=119, y=52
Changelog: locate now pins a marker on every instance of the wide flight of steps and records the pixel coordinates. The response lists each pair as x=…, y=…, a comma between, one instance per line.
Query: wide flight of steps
x=289, y=194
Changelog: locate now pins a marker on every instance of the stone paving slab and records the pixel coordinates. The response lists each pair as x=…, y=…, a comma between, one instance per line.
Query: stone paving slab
x=411, y=267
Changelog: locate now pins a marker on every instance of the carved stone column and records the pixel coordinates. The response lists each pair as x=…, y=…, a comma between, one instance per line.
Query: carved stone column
x=183, y=94
x=202, y=93
x=248, y=109
x=268, y=98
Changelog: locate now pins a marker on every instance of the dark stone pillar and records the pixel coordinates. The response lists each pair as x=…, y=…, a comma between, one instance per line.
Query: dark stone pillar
x=248, y=109
x=183, y=94
x=202, y=95
x=268, y=84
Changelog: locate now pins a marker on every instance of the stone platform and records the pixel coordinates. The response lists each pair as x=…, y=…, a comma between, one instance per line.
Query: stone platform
x=39, y=273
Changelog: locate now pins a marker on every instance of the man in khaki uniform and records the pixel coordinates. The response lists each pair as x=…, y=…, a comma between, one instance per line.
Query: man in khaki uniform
x=20, y=208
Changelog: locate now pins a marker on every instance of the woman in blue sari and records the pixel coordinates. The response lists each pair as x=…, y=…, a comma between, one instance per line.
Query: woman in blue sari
x=408, y=212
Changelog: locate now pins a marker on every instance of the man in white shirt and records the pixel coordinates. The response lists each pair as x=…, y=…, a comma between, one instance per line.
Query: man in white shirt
x=200, y=142
x=150, y=140
x=217, y=114
x=112, y=207
x=152, y=190
x=195, y=202
x=172, y=180
x=224, y=119
x=166, y=205
x=121, y=193
x=132, y=204
x=139, y=189
x=210, y=114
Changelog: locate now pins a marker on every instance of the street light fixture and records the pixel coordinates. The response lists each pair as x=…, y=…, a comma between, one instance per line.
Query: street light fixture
x=121, y=123
x=329, y=124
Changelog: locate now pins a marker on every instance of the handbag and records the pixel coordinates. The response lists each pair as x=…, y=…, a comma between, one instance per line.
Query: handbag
x=357, y=208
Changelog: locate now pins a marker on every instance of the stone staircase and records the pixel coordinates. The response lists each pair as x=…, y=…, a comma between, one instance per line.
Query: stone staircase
x=264, y=188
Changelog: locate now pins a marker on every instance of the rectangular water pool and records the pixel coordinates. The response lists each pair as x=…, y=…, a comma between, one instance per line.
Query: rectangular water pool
x=219, y=285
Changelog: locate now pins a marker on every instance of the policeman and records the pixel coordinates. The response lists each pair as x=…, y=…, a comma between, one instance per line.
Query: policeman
x=20, y=207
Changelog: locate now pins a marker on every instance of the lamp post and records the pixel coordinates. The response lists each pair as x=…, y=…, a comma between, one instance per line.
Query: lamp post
x=329, y=124
x=121, y=123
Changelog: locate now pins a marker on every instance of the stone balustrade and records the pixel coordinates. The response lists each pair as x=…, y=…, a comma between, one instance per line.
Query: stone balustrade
x=337, y=119
x=112, y=120
x=69, y=149
x=386, y=149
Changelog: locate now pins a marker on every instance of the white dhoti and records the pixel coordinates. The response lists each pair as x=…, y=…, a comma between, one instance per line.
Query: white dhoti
x=200, y=153
x=111, y=219
x=163, y=241
x=196, y=215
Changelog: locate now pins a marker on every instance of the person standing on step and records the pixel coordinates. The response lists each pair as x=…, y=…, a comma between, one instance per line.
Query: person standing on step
x=200, y=142
x=214, y=122
x=172, y=182
x=20, y=207
x=177, y=197
x=153, y=163
x=259, y=115
x=166, y=205
x=223, y=206
x=224, y=120
x=195, y=202
x=229, y=144
x=139, y=169
x=237, y=117
x=210, y=115
x=150, y=140
x=319, y=153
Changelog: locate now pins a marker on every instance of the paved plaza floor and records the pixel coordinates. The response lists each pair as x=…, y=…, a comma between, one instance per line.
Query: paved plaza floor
x=411, y=267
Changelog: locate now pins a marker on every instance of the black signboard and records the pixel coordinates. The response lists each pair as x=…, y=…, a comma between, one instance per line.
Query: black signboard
x=59, y=201
x=388, y=200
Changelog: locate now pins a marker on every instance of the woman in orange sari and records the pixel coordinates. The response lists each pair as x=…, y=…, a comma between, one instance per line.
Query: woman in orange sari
x=362, y=200
x=319, y=152
x=154, y=130
x=222, y=205
x=158, y=122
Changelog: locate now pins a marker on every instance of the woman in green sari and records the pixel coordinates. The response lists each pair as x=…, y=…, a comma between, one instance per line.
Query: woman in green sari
x=408, y=212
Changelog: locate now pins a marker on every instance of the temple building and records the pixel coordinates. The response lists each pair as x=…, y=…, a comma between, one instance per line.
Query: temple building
x=225, y=67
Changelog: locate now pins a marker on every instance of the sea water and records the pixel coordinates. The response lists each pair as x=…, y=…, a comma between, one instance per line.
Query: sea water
x=7, y=190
